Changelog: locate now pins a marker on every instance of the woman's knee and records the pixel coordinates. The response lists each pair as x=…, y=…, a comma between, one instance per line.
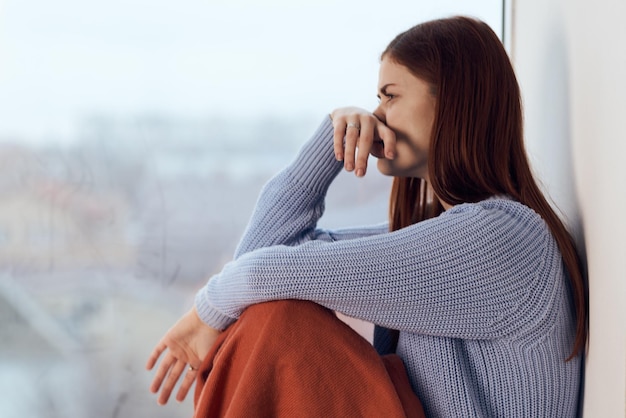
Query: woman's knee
x=297, y=322
x=290, y=313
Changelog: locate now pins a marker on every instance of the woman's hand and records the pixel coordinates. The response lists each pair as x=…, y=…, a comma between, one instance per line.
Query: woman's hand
x=359, y=133
x=187, y=343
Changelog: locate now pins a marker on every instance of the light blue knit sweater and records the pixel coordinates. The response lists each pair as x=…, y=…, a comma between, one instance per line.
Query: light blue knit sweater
x=479, y=293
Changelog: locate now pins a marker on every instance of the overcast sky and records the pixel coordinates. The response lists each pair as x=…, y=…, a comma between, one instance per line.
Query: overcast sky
x=62, y=60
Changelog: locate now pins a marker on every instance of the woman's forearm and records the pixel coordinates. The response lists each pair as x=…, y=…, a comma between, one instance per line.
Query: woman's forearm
x=413, y=279
x=291, y=203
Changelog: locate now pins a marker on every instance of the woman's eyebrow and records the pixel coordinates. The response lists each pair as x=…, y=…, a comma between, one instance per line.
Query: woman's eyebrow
x=383, y=89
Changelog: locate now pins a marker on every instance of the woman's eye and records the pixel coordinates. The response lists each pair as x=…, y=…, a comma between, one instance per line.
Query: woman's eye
x=388, y=97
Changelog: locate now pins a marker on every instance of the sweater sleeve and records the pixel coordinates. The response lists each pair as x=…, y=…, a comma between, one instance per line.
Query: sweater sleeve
x=470, y=273
x=291, y=203
x=289, y=206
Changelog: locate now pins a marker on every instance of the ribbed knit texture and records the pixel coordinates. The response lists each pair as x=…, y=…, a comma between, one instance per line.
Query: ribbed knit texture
x=479, y=293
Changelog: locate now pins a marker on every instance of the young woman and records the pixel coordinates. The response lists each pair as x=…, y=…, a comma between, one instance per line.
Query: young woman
x=475, y=270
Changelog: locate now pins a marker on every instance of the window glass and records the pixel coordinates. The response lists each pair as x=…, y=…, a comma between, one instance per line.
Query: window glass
x=134, y=138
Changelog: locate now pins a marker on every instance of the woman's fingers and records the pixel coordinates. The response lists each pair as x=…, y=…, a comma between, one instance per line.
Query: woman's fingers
x=169, y=371
x=162, y=371
x=354, y=133
x=175, y=371
x=338, y=135
x=186, y=384
x=388, y=137
x=187, y=342
x=365, y=141
x=154, y=356
x=353, y=129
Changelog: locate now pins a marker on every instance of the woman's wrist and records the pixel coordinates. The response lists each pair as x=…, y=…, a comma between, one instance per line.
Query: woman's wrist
x=193, y=312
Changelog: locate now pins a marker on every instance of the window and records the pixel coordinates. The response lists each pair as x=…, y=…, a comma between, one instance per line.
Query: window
x=134, y=138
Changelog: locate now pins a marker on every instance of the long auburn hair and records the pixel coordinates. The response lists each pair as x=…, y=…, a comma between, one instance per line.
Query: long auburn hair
x=477, y=148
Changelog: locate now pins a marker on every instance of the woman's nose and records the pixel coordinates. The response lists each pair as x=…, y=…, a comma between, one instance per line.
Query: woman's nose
x=379, y=113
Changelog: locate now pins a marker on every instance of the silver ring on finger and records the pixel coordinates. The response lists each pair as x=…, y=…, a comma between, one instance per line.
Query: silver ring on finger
x=353, y=125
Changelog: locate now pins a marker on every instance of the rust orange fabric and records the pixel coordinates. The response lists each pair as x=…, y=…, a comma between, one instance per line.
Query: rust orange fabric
x=297, y=359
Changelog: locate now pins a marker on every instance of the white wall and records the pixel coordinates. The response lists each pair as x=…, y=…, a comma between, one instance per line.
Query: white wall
x=570, y=58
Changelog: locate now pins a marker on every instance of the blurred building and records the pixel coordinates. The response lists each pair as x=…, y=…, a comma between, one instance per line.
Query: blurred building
x=48, y=224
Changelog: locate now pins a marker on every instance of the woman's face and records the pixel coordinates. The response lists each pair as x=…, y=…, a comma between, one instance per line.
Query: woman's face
x=407, y=106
